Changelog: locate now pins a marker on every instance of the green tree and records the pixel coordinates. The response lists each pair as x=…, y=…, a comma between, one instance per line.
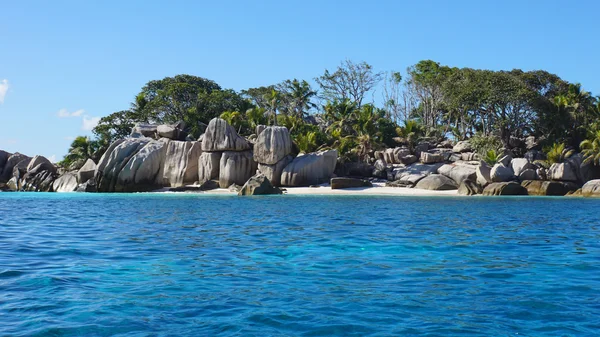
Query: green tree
x=81, y=149
x=297, y=97
x=350, y=81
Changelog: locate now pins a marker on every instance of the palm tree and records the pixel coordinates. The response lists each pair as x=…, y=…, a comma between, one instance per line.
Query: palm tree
x=298, y=95
x=255, y=117
x=82, y=148
x=273, y=102
x=590, y=149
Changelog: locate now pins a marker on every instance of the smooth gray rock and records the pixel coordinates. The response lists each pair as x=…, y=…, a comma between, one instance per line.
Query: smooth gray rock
x=117, y=159
x=236, y=168
x=3, y=158
x=220, y=136
x=310, y=169
x=341, y=183
x=555, y=188
x=505, y=160
x=469, y=156
x=528, y=174
x=562, y=172
x=143, y=171
x=13, y=160
x=400, y=153
x=144, y=129
x=258, y=185
x=520, y=164
x=501, y=173
x=411, y=175
x=436, y=182
x=273, y=172
x=208, y=166
x=459, y=172
x=431, y=158
x=407, y=160
x=462, y=146
x=65, y=183
x=469, y=187
x=591, y=188
x=37, y=160
x=87, y=171
x=181, y=163
x=483, y=172
x=273, y=144
x=504, y=188
x=534, y=155
x=105, y=159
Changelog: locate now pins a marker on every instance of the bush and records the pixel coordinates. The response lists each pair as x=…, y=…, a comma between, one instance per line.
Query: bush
x=483, y=145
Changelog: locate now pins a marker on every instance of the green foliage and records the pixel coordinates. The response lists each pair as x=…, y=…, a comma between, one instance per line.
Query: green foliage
x=590, y=149
x=491, y=157
x=115, y=126
x=306, y=142
x=483, y=145
x=82, y=148
x=350, y=81
x=410, y=133
x=557, y=153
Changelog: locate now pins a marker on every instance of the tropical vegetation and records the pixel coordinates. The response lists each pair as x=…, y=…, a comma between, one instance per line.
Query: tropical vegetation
x=340, y=109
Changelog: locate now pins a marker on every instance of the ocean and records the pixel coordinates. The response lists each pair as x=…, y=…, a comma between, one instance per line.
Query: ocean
x=204, y=265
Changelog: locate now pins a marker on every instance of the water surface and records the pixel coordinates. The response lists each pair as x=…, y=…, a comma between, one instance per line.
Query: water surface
x=197, y=265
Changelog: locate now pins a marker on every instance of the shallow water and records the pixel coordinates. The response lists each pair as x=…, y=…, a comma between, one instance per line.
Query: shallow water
x=196, y=265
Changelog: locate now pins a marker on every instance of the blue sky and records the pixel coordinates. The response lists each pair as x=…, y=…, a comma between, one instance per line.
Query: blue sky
x=64, y=64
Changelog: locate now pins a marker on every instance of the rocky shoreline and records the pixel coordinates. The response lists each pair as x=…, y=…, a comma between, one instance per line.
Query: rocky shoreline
x=158, y=157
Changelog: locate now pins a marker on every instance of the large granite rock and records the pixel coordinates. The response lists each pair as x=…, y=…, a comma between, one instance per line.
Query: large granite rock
x=236, y=168
x=483, y=172
x=469, y=187
x=521, y=164
x=310, y=169
x=505, y=160
x=171, y=131
x=273, y=172
x=431, y=158
x=501, y=173
x=462, y=146
x=555, y=188
x=351, y=169
x=101, y=166
x=528, y=174
x=11, y=162
x=181, y=163
x=208, y=166
x=65, y=183
x=107, y=174
x=400, y=155
x=37, y=160
x=86, y=172
x=273, y=144
x=459, y=172
x=220, y=136
x=562, y=172
x=143, y=171
x=436, y=182
x=591, y=188
x=144, y=130
x=410, y=175
x=258, y=185
x=504, y=188
x=3, y=158
x=341, y=183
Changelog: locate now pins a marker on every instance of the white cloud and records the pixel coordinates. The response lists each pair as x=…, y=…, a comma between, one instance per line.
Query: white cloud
x=62, y=113
x=52, y=158
x=89, y=122
x=3, y=89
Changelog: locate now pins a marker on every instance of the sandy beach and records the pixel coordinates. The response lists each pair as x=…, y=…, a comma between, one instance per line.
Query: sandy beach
x=377, y=189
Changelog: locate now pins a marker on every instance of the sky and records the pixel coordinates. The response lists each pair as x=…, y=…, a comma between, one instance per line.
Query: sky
x=65, y=64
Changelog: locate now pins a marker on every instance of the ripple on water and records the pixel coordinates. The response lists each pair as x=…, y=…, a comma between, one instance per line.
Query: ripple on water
x=190, y=265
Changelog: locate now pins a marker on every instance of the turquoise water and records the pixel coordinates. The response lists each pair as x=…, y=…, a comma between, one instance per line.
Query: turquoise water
x=193, y=265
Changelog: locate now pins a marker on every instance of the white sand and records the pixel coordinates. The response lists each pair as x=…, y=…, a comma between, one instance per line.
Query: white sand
x=377, y=189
